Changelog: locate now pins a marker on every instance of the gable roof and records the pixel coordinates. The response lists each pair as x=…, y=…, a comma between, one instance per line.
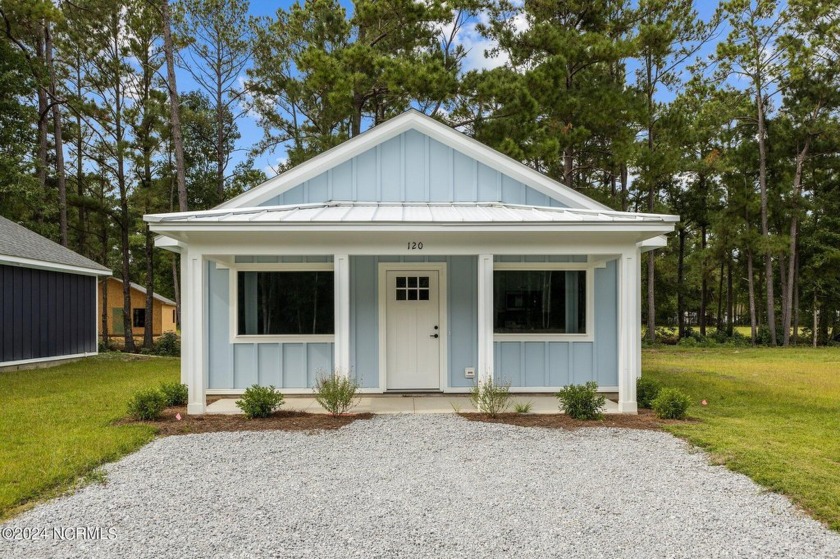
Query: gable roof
x=142, y=290
x=21, y=247
x=412, y=120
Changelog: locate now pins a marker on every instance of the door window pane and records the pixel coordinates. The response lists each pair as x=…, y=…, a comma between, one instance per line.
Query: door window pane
x=412, y=288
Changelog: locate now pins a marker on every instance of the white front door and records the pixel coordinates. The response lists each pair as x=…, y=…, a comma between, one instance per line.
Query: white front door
x=412, y=329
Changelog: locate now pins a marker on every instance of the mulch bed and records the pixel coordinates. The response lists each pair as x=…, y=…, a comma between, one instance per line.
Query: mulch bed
x=279, y=421
x=645, y=419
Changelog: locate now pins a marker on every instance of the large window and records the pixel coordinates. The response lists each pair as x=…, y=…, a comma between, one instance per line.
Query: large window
x=139, y=318
x=539, y=302
x=285, y=303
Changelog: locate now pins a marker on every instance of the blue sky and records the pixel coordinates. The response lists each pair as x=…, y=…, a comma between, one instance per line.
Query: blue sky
x=472, y=41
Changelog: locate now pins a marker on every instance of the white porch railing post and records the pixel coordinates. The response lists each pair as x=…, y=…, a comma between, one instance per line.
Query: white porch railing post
x=485, y=317
x=629, y=339
x=341, y=270
x=193, y=330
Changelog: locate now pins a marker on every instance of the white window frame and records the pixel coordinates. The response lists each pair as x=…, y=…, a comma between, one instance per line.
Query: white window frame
x=233, y=298
x=589, y=268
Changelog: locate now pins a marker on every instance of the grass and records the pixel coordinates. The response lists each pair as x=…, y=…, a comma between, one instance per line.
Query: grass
x=772, y=414
x=58, y=423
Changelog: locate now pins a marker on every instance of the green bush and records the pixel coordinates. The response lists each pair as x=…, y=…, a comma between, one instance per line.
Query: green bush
x=168, y=345
x=646, y=390
x=146, y=405
x=259, y=401
x=671, y=403
x=582, y=401
x=490, y=398
x=522, y=407
x=174, y=393
x=336, y=393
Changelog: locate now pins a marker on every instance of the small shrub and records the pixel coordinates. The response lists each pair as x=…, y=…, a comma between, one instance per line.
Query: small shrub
x=168, y=345
x=174, y=393
x=146, y=405
x=259, y=401
x=490, y=398
x=582, y=401
x=671, y=403
x=646, y=390
x=336, y=393
x=522, y=407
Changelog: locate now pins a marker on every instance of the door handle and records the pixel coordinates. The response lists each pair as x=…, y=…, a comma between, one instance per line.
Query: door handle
x=434, y=336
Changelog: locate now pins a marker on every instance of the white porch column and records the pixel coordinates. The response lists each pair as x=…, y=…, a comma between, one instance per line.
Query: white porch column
x=629, y=333
x=341, y=270
x=485, y=317
x=192, y=329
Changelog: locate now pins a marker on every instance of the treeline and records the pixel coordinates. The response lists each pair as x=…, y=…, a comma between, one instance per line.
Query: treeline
x=729, y=121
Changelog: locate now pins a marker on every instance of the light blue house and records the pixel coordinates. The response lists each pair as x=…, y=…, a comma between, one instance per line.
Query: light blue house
x=411, y=258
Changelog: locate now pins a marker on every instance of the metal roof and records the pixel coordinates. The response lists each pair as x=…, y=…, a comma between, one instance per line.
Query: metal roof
x=23, y=245
x=356, y=213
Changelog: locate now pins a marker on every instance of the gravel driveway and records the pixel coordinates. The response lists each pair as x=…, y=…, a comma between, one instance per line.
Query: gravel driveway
x=418, y=486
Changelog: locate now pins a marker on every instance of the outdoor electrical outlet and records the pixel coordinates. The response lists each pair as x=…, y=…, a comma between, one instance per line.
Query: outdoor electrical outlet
x=469, y=372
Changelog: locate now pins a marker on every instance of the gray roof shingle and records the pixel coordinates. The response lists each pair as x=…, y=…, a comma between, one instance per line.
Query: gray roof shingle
x=19, y=242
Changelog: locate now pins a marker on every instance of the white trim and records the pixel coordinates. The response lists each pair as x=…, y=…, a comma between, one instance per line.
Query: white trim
x=485, y=318
x=629, y=340
x=233, y=302
x=382, y=294
x=411, y=120
x=18, y=261
x=4, y=364
x=341, y=289
x=196, y=331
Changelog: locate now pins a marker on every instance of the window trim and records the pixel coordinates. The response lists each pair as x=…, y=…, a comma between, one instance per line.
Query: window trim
x=589, y=268
x=233, y=302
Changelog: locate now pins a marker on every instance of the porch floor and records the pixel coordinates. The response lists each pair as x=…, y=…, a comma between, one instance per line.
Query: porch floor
x=405, y=403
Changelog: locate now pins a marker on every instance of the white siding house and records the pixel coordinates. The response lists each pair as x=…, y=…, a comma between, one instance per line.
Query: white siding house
x=411, y=258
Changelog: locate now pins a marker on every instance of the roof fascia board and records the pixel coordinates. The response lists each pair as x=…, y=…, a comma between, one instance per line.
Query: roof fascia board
x=664, y=227
x=51, y=266
x=393, y=128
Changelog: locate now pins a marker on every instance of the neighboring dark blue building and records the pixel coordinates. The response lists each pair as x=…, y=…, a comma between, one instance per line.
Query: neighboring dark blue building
x=48, y=299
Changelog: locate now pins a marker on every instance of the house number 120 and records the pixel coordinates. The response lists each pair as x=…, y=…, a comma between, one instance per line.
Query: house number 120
x=415, y=245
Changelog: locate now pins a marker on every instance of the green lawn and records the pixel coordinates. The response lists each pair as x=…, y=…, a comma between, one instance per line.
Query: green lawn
x=57, y=423
x=772, y=414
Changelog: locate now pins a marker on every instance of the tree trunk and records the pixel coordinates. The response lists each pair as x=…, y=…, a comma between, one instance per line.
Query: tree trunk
x=765, y=228
x=704, y=288
x=43, y=108
x=794, y=231
x=174, y=107
x=795, y=338
x=720, y=297
x=80, y=172
x=751, y=289
x=730, y=299
x=57, y=135
x=220, y=139
x=816, y=322
x=783, y=281
x=680, y=284
x=624, y=179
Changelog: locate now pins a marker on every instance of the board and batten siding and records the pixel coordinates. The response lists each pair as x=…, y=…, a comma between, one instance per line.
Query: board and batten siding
x=522, y=363
x=537, y=364
x=239, y=365
x=412, y=168
x=45, y=314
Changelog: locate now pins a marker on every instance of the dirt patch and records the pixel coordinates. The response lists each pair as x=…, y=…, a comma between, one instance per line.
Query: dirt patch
x=168, y=424
x=645, y=419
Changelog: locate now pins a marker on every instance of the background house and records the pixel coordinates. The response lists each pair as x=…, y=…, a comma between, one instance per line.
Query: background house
x=164, y=312
x=48, y=308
